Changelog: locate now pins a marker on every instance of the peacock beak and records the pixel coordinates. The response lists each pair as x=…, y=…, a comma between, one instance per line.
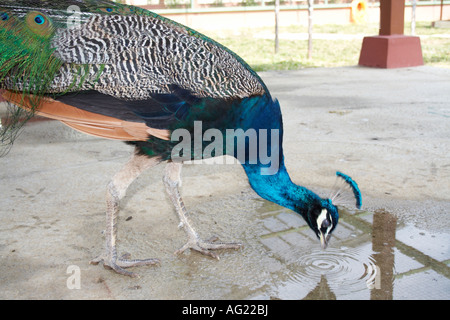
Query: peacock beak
x=324, y=240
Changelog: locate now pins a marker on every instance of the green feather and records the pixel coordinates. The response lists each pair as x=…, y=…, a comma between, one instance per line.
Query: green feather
x=27, y=65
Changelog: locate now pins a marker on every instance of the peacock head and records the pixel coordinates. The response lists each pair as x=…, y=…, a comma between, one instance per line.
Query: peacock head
x=322, y=215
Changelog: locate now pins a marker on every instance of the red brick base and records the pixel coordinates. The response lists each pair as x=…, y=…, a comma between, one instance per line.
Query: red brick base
x=394, y=51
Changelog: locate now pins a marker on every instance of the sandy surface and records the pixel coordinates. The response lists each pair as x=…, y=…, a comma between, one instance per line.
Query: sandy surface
x=388, y=129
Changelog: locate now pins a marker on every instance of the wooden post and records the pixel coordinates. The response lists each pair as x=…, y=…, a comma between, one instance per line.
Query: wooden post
x=277, y=17
x=413, y=17
x=392, y=17
x=310, y=26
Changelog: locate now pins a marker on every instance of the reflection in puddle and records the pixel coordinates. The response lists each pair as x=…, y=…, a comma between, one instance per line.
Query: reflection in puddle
x=371, y=256
x=336, y=267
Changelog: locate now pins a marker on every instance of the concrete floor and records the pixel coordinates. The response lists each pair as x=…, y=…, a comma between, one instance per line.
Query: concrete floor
x=388, y=129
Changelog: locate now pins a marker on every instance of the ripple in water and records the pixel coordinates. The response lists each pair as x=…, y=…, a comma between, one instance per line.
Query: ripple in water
x=345, y=271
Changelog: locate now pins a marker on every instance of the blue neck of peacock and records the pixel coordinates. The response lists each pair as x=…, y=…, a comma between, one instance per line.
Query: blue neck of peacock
x=279, y=188
x=268, y=175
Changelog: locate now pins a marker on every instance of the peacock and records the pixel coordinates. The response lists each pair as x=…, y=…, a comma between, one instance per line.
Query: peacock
x=122, y=72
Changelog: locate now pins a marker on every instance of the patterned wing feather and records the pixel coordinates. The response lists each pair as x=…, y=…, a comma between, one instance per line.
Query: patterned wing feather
x=141, y=55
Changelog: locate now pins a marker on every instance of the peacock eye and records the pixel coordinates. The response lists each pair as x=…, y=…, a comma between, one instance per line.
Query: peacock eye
x=39, y=19
x=126, y=11
x=39, y=23
x=107, y=10
x=326, y=223
x=7, y=20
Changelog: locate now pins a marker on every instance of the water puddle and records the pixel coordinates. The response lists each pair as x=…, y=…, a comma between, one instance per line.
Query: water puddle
x=371, y=256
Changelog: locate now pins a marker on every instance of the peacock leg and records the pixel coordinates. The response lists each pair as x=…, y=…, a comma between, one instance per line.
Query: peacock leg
x=172, y=181
x=115, y=192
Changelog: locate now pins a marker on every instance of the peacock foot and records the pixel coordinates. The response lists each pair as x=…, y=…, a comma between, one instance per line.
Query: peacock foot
x=119, y=264
x=205, y=247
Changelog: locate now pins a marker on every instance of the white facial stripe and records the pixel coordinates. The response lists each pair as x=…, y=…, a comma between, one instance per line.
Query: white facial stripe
x=322, y=216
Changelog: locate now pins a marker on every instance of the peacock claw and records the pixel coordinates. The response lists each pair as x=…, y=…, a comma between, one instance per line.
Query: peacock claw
x=172, y=181
x=118, y=264
x=205, y=247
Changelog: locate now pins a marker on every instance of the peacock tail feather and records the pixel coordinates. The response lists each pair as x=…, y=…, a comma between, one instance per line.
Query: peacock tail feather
x=27, y=65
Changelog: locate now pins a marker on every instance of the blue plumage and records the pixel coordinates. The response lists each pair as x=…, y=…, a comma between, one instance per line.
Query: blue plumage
x=354, y=186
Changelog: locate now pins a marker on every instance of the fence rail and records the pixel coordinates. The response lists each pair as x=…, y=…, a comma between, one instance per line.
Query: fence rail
x=199, y=6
